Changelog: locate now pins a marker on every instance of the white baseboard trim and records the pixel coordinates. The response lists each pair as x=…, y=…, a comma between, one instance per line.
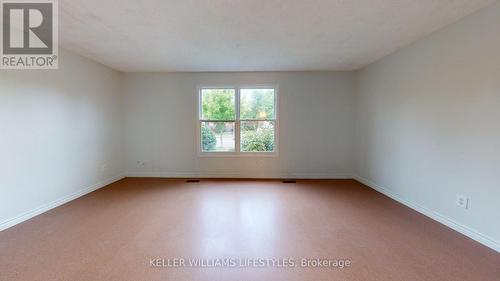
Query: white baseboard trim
x=46, y=207
x=465, y=230
x=237, y=175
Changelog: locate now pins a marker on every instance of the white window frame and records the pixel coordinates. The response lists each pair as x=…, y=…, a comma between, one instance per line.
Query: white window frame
x=237, y=121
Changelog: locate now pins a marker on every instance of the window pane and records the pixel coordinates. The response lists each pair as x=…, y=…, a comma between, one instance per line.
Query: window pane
x=218, y=104
x=257, y=104
x=217, y=136
x=257, y=136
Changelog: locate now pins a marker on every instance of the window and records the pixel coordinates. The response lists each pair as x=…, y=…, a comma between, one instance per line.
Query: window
x=238, y=121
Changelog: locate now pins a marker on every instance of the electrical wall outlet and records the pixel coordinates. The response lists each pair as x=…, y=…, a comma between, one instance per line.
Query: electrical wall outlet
x=462, y=201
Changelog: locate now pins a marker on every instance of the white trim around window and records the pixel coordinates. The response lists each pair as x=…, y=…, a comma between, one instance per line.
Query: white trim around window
x=237, y=132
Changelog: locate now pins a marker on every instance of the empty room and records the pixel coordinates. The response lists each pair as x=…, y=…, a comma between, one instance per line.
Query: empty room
x=200, y=140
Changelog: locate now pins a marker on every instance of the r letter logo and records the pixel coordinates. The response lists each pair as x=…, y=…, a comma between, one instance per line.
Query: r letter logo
x=29, y=35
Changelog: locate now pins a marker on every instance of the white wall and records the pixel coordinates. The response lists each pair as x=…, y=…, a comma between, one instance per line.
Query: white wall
x=428, y=125
x=316, y=125
x=57, y=130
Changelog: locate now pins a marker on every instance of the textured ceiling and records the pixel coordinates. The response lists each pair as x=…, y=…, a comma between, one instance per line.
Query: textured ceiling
x=251, y=35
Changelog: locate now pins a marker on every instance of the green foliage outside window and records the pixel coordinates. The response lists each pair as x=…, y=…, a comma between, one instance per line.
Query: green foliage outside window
x=218, y=104
x=207, y=138
x=257, y=104
x=257, y=140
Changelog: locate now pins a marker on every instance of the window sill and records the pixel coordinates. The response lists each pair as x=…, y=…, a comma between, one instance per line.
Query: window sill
x=238, y=155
